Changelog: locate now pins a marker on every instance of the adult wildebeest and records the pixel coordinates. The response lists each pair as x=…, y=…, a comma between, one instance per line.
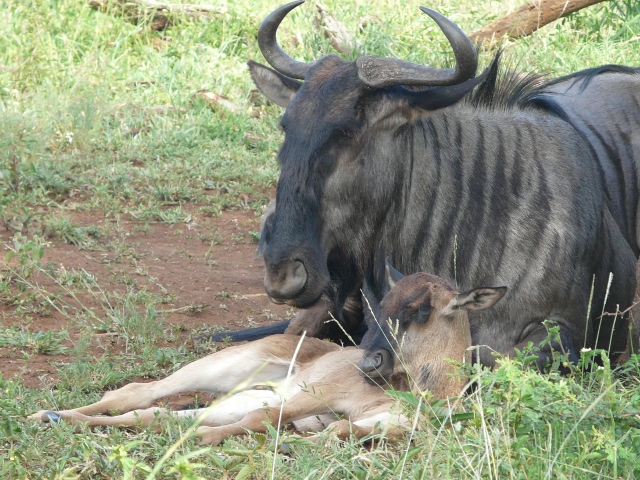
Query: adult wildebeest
x=494, y=188
x=603, y=104
x=324, y=377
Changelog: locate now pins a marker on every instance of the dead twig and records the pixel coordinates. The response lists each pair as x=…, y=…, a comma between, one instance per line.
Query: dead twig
x=161, y=15
x=214, y=100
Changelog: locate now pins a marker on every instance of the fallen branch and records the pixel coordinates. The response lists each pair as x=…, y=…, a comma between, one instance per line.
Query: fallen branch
x=529, y=18
x=214, y=100
x=161, y=15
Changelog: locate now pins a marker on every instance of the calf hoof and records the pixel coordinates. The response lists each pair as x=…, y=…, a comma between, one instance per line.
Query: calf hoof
x=45, y=416
x=50, y=417
x=285, y=449
x=298, y=327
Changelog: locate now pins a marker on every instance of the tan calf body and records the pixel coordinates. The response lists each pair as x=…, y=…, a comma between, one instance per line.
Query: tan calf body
x=326, y=381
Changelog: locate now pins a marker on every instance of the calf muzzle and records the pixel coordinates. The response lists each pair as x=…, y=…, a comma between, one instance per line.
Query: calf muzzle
x=377, y=364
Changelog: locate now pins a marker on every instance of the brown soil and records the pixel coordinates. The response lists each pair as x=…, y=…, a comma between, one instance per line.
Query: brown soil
x=206, y=271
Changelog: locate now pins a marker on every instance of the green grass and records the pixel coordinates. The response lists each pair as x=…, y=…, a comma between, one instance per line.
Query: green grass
x=99, y=115
x=48, y=343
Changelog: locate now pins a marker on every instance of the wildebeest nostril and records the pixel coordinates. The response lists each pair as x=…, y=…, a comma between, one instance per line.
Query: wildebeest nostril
x=288, y=282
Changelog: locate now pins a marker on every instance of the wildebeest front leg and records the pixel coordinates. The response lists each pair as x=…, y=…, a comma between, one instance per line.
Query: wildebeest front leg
x=564, y=345
x=324, y=321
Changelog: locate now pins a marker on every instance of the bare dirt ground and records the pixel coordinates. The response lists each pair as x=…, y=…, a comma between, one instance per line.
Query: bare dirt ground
x=206, y=271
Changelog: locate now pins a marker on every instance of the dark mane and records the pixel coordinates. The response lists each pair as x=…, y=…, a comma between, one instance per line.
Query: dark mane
x=540, y=98
x=505, y=87
x=582, y=78
x=508, y=87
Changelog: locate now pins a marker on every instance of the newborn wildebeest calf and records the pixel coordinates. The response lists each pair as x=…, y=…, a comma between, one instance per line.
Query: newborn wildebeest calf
x=426, y=315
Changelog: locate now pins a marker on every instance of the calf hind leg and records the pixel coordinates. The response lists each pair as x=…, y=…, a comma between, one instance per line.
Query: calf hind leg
x=135, y=418
x=130, y=397
x=299, y=406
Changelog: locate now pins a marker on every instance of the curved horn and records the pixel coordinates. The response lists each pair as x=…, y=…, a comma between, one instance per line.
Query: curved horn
x=270, y=49
x=383, y=72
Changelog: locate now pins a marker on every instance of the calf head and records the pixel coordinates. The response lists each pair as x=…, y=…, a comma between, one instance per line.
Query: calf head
x=424, y=319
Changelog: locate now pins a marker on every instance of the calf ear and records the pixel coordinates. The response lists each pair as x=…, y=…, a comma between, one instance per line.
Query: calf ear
x=474, y=300
x=391, y=275
x=275, y=86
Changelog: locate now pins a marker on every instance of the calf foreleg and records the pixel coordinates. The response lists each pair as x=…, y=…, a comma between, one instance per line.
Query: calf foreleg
x=380, y=421
x=344, y=428
x=220, y=372
x=312, y=320
x=228, y=410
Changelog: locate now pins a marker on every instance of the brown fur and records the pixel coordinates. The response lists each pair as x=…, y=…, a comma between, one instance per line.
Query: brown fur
x=325, y=381
x=445, y=337
x=426, y=325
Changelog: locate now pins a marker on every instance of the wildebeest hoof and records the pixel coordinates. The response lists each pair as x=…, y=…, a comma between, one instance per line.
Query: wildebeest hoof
x=51, y=417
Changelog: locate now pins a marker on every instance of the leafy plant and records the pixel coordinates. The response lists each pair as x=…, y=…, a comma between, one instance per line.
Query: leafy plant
x=46, y=343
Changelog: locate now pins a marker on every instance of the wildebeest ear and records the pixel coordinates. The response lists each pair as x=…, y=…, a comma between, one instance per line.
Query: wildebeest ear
x=392, y=276
x=275, y=86
x=474, y=300
x=441, y=97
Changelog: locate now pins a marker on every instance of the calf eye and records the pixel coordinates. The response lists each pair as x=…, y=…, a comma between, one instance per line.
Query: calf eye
x=424, y=312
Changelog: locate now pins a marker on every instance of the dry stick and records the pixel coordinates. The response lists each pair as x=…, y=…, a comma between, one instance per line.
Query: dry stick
x=529, y=18
x=161, y=14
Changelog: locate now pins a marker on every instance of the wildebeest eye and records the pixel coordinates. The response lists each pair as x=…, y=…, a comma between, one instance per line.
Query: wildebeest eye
x=344, y=133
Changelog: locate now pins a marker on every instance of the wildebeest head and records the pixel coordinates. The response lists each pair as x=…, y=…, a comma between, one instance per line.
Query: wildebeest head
x=424, y=321
x=335, y=122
